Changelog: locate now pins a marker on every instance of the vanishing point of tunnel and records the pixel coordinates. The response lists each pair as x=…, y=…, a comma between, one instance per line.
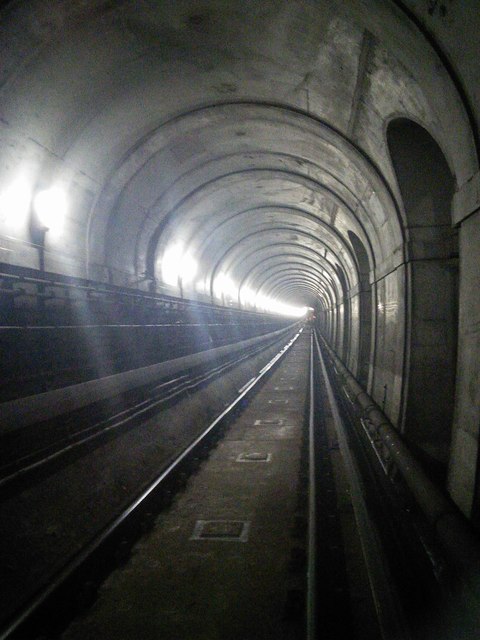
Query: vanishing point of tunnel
x=182, y=177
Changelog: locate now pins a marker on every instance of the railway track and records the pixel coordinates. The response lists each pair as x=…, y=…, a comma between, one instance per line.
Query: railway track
x=21, y=457
x=47, y=489
x=261, y=527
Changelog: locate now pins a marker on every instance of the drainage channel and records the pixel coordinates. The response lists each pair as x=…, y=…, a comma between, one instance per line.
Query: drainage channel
x=76, y=585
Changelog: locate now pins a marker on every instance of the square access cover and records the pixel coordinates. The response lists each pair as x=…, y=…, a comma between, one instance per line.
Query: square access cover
x=231, y=530
x=254, y=457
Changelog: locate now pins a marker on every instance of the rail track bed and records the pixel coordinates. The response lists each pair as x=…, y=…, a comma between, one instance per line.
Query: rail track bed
x=263, y=522
x=29, y=452
x=245, y=547
x=248, y=532
x=228, y=558
x=65, y=481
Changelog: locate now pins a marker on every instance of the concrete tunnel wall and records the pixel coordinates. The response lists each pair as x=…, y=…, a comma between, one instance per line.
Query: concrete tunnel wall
x=314, y=153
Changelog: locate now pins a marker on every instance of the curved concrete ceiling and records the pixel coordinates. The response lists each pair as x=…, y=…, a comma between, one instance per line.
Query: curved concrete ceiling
x=249, y=135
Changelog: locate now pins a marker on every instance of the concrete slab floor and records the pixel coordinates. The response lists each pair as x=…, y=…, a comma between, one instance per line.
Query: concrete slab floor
x=183, y=584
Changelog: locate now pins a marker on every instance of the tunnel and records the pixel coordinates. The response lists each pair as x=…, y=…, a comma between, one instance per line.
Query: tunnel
x=193, y=177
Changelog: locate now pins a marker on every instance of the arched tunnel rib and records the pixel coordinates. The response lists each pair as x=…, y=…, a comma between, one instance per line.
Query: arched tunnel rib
x=192, y=196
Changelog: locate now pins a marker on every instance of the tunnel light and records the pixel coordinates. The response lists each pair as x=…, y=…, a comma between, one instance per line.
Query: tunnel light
x=188, y=268
x=50, y=207
x=260, y=302
x=200, y=287
x=178, y=266
x=247, y=296
x=15, y=202
x=170, y=264
x=292, y=311
x=224, y=286
x=264, y=303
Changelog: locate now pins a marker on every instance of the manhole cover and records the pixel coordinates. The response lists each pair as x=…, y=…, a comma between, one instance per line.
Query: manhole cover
x=236, y=530
x=254, y=457
x=268, y=421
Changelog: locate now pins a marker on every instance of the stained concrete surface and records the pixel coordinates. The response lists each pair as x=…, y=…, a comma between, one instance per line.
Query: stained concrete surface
x=43, y=526
x=179, y=585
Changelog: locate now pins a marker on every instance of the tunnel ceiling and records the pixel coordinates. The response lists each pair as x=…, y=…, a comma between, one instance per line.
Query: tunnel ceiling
x=247, y=137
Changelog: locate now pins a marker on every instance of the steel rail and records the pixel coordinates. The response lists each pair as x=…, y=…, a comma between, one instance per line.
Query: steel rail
x=94, y=546
x=116, y=421
x=21, y=412
x=73, y=327
x=312, y=515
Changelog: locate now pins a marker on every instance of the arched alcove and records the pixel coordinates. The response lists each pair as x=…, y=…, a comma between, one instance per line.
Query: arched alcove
x=426, y=185
x=362, y=309
x=343, y=345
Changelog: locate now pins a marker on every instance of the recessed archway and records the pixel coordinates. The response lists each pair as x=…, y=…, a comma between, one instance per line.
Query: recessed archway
x=427, y=186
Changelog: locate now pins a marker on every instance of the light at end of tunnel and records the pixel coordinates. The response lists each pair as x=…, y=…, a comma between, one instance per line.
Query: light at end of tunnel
x=270, y=305
x=15, y=203
x=290, y=310
x=50, y=207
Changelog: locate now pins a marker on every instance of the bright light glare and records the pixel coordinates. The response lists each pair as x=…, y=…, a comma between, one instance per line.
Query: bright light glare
x=289, y=310
x=265, y=303
x=270, y=305
x=247, y=296
x=178, y=265
x=15, y=202
x=170, y=264
x=51, y=207
x=188, y=269
x=224, y=286
x=200, y=286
